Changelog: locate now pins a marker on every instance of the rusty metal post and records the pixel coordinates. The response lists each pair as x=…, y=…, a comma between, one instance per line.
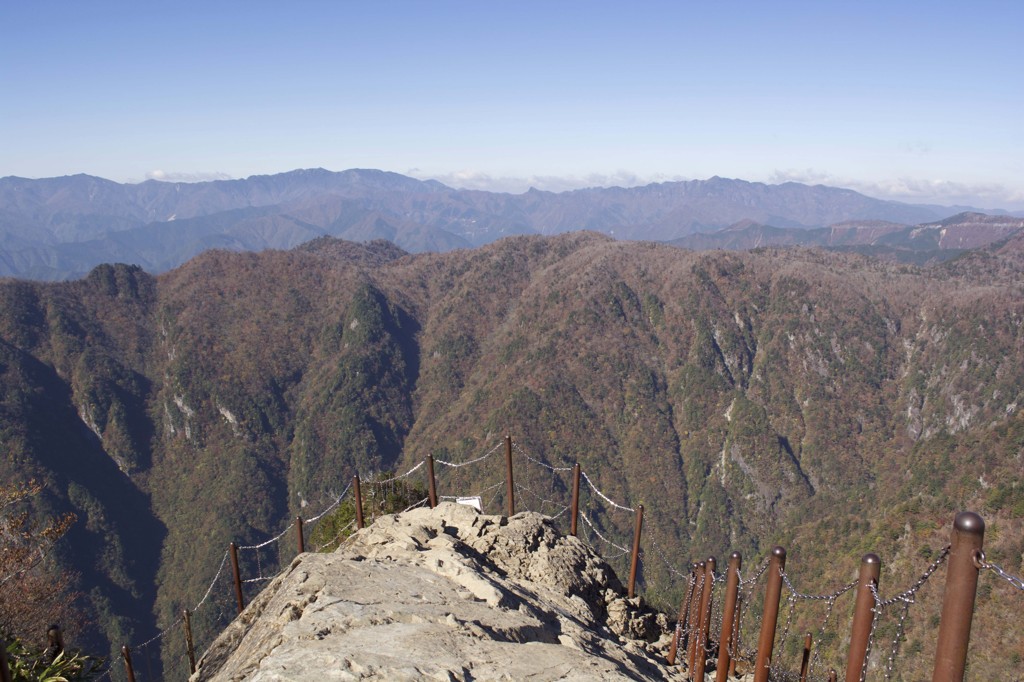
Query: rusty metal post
x=806, y=660
x=962, y=571
x=684, y=612
x=299, y=537
x=432, y=488
x=705, y=620
x=233, y=548
x=5, y=670
x=735, y=641
x=635, y=560
x=190, y=647
x=126, y=654
x=770, y=616
x=510, y=484
x=693, y=622
x=359, y=500
x=863, y=615
x=54, y=642
x=726, y=639
x=575, y=498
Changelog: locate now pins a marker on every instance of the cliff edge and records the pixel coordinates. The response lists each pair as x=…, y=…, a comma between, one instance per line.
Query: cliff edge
x=445, y=594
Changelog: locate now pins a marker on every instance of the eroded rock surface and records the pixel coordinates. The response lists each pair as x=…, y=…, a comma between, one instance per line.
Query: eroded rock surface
x=445, y=594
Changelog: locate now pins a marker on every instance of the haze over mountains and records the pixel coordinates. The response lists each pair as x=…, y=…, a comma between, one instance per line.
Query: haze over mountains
x=59, y=228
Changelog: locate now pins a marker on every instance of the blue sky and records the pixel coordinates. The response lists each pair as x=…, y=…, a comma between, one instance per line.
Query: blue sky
x=908, y=100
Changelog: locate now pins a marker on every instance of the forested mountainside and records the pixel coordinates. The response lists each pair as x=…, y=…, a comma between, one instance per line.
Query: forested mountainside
x=828, y=402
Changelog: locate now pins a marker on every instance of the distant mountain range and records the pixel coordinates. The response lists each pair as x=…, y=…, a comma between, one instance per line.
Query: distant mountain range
x=60, y=228
x=919, y=244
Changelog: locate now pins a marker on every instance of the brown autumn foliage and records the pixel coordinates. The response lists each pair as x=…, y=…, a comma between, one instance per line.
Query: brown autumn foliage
x=34, y=594
x=828, y=402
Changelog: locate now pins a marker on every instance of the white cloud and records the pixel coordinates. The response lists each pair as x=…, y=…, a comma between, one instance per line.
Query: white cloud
x=479, y=180
x=201, y=176
x=914, y=190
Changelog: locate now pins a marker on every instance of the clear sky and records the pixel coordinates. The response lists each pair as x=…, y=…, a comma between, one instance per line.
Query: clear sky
x=920, y=101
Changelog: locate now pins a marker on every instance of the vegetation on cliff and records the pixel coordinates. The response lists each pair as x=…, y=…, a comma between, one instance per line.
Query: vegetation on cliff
x=828, y=402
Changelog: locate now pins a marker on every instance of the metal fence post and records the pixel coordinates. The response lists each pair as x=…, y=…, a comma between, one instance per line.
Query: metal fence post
x=432, y=489
x=693, y=622
x=770, y=617
x=509, y=483
x=575, y=498
x=635, y=560
x=233, y=549
x=806, y=660
x=299, y=537
x=359, y=500
x=962, y=570
x=736, y=633
x=684, y=613
x=189, y=644
x=726, y=639
x=863, y=615
x=126, y=654
x=705, y=620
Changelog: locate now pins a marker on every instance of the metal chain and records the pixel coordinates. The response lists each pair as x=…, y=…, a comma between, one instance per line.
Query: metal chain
x=821, y=597
x=785, y=630
x=698, y=591
x=459, y=465
x=621, y=549
x=896, y=640
x=821, y=635
x=760, y=572
x=543, y=500
x=876, y=611
x=673, y=572
x=523, y=452
x=681, y=624
x=334, y=504
x=912, y=590
x=408, y=473
x=906, y=597
x=604, y=497
x=982, y=564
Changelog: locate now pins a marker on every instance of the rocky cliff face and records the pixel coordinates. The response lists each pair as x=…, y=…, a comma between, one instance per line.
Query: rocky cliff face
x=445, y=594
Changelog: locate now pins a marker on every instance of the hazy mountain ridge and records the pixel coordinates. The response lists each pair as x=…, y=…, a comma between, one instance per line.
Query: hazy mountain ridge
x=793, y=396
x=920, y=244
x=57, y=228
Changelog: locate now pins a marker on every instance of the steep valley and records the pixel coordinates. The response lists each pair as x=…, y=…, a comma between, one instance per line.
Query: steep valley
x=829, y=402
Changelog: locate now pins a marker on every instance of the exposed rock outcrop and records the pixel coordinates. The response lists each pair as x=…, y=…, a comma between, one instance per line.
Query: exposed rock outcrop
x=445, y=594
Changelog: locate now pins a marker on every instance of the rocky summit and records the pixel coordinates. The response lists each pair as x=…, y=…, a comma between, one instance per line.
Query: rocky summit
x=445, y=594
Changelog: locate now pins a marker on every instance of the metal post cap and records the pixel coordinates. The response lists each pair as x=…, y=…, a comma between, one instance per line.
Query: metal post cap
x=969, y=522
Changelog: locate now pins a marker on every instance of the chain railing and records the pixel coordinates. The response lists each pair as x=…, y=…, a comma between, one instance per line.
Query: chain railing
x=701, y=625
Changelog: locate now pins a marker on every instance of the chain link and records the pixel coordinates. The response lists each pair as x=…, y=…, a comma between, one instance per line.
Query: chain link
x=984, y=565
x=604, y=497
x=908, y=594
x=896, y=640
x=523, y=452
x=459, y=465
x=820, y=597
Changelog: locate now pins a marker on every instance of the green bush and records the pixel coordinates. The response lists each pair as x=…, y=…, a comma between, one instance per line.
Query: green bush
x=30, y=665
x=380, y=494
